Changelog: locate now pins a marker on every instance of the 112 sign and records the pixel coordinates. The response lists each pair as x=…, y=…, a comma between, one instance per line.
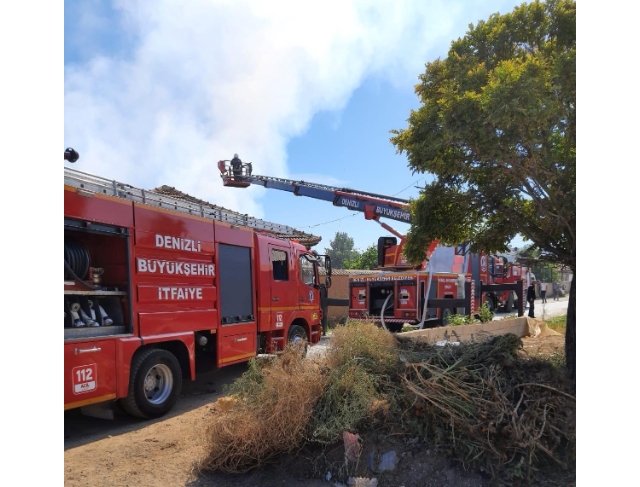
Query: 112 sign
x=84, y=378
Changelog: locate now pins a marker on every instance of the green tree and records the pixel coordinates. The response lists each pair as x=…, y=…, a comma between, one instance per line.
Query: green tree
x=497, y=129
x=341, y=250
x=366, y=260
x=540, y=267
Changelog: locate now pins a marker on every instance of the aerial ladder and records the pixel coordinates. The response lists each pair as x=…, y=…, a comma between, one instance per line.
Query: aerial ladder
x=238, y=174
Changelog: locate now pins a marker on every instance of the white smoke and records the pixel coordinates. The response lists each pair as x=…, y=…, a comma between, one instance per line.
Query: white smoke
x=209, y=78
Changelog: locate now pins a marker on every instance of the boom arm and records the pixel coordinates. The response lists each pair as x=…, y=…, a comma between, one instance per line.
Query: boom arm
x=237, y=174
x=374, y=206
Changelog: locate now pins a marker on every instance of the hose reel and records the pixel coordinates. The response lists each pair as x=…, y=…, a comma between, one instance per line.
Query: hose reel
x=76, y=259
x=76, y=265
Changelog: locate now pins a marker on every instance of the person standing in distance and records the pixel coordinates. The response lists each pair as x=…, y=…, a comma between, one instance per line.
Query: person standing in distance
x=543, y=291
x=531, y=297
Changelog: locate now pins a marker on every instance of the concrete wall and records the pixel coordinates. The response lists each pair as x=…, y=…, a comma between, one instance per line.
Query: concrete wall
x=523, y=326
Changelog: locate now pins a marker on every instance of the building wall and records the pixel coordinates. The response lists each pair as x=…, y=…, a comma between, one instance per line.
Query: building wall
x=339, y=290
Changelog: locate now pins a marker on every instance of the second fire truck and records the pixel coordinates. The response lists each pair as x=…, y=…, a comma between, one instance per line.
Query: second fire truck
x=450, y=280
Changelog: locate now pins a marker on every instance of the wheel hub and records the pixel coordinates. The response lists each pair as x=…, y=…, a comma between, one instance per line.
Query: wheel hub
x=151, y=382
x=158, y=384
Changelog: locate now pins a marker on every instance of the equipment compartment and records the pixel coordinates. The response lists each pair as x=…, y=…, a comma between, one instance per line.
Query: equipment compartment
x=96, y=283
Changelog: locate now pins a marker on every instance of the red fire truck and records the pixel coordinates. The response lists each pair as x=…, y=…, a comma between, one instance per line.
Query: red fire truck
x=505, y=272
x=157, y=289
x=493, y=280
x=450, y=280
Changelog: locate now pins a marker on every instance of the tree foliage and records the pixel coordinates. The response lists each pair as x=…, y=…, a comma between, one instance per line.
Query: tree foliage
x=345, y=256
x=366, y=260
x=497, y=129
x=341, y=250
x=542, y=269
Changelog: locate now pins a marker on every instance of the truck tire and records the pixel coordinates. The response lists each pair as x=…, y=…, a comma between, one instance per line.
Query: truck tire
x=298, y=334
x=491, y=304
x=509, y=306
x=154, y=385
x=395, y=327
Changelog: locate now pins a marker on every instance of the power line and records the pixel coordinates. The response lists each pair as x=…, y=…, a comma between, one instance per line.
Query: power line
x=332, y=221
x=416, y=181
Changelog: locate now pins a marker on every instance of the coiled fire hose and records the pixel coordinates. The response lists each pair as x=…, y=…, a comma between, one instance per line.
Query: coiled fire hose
x=76, y=263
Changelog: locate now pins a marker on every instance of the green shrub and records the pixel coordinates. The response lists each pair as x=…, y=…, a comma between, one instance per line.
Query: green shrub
x=485, y=313
x=457, y=320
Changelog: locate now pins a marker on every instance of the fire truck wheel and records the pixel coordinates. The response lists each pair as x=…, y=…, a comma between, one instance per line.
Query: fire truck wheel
x=297, y=334
x=155, y=384
x=509, y=306
x=490, y=304
x=394, y=327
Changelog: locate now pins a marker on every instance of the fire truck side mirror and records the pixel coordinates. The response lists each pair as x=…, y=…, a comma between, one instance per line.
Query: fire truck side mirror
x=327, y=264
x=327, y=268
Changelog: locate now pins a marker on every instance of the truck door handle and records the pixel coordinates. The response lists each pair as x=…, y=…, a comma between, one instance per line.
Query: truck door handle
x=275, y=299
x=78, y=351
x=300, y=299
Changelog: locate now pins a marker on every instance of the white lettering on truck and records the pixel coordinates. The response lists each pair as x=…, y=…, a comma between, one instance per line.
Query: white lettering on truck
x=177, y=293
x=177, y=243
x=153, y=266
x=349, y=202
x=393, y=213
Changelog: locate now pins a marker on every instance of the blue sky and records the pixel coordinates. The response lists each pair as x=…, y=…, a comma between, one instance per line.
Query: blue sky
x=156, y=93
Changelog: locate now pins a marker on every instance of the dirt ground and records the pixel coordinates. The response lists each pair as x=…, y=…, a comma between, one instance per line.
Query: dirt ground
x=126, y=452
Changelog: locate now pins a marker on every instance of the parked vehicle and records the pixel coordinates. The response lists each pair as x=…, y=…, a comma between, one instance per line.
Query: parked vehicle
x=398, y=293
x=157, y=289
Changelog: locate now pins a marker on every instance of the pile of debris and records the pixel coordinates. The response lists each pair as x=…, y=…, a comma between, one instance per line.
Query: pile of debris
x=491, y=409
x=482, y=403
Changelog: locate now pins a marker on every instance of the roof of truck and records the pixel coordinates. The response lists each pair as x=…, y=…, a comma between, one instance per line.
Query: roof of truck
x=304, y=238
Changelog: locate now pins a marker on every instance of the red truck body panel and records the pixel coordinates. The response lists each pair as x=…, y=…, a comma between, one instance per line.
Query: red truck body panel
x=169, y=279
